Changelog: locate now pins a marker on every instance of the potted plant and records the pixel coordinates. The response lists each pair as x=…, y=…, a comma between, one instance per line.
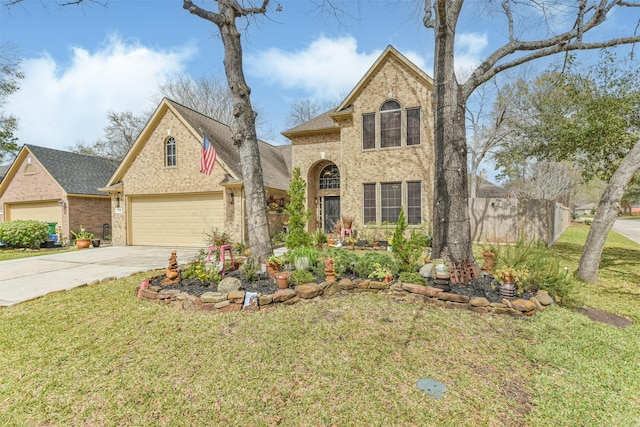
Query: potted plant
x=511, y=280
x=337, y=226
x=381, y=273
x=347, y=221
x=351, y=241
x=273, y=264
x=83, y=238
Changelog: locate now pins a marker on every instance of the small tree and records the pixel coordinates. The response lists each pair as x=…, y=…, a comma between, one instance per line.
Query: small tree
x=299, y=214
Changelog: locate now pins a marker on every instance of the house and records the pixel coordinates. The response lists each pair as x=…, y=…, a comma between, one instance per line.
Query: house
x=631, y=208
x=373, y=154
x=57, y=187
x=160, y=197
x=586, y=209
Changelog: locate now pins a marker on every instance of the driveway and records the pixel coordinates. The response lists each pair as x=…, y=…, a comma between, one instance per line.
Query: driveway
x=629, y=228
x=28, y=278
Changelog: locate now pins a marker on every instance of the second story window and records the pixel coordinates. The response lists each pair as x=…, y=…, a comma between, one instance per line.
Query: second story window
x=170, y=152
x=390, y=124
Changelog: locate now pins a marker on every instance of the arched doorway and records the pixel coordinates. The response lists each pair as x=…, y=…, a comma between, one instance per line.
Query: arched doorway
x=324, y=193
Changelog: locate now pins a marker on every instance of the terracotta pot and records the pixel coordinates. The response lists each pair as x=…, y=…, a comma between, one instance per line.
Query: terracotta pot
x=272, y=269
x=83, y=243
x=282, y=280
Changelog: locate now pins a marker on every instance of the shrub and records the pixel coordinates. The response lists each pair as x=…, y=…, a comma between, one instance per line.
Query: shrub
x=365, y=265
x=201, y=270
x=24, y=233
x=303, y=257
x=542, y=267
x=319, y=238
x=249, y=269
x=411, y=277
x=298, y=214
x=300, y=277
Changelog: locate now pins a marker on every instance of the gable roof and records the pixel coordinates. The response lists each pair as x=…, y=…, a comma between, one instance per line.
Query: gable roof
x=487, y=189
x=324, y=122
x=274, y=169
x=389, y=53
x=75, y=173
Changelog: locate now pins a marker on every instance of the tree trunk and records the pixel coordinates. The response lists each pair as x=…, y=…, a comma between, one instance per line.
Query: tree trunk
x=451, y=226
x=607, y=212
x=243, y=129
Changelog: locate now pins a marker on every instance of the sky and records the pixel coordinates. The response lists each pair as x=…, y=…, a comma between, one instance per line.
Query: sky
x=82, y=61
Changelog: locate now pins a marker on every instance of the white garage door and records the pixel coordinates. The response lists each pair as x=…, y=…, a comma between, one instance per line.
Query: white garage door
x=39, y=211
x=174, y=220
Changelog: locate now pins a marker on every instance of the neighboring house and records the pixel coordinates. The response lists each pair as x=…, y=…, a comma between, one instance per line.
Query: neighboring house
x=586, y=209
x=158, y=195
x=373, y=154
x=57, y=187
x=631, y=208
x=487, y=189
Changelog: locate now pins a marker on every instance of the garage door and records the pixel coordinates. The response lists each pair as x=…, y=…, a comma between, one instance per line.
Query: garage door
x=174, y=220
x=39, y=211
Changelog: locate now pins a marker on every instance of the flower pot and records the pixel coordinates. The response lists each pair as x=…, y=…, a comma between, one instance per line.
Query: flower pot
x=95, y=243
x=272, y=269
x=282, y=280
x=83, y=243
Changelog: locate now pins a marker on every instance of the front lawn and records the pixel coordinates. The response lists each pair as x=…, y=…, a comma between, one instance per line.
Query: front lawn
x=99, y=356
x=7, y=254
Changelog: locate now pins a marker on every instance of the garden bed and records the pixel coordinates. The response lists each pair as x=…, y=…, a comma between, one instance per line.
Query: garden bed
x=480, y=296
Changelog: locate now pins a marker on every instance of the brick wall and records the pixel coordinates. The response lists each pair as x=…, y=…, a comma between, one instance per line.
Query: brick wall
x=35, y=185
x=89, y=213
x=393, y=81
x=147, y=174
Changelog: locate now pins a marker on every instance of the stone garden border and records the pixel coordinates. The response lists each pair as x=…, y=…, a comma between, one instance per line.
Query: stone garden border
x=223, y=302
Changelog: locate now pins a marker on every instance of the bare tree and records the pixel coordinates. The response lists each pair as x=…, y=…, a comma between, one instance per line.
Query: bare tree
x=209, y=95
x=302, y=110
x=451, y=226
x=119, y=135
x=486, y=129
x=243, y=126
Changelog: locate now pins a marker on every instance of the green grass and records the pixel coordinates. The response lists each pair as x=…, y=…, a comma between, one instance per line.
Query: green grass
x=98, y=356
x=7, y=254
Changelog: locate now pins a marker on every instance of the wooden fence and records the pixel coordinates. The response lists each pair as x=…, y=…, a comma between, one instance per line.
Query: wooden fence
x=502, y=220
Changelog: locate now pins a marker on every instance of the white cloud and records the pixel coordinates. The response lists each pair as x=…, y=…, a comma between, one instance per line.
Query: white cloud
x=324, y=70
x=468, y=54
x=58, y=105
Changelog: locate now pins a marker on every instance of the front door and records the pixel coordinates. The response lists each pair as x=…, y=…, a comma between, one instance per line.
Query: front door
x=331, y=212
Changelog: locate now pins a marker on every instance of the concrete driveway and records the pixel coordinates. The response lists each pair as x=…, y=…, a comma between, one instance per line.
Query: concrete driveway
x=629, y=228
x=28, y=278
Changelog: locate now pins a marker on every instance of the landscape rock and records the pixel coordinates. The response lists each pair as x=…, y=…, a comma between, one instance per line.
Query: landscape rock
x=332, y=289
x=429, y=291
x=229, y=284
x=236, y=296
x=212, y=297
x=523, y=305
x=425, y=270
x=543, y=297
x=282, y=295
x=222, y=304
x=479, y=302
x=378, y=285
x=445, y=296
x=308, y=291
x=346, y=284
x=231, y=307
x=265, y=300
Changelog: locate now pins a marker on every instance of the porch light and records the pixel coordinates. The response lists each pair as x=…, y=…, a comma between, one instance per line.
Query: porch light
x=231, y=198
x=118, y=199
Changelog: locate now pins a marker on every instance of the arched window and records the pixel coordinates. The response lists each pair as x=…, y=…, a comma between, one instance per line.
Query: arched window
x=170, y=152
x=330, y=178
x=390, y=124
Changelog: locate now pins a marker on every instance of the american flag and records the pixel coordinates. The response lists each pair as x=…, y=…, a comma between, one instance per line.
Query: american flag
x=207, y=157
